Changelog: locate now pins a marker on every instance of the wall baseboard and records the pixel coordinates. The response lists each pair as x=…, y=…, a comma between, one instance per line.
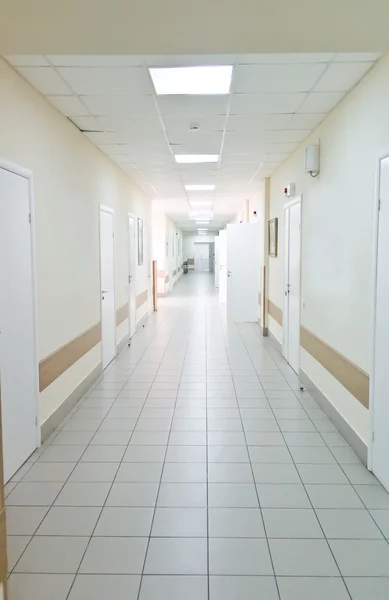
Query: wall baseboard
x=142, y=322
x=274, y=340
x=351, y=437
x=122, y=344
x=58, y=415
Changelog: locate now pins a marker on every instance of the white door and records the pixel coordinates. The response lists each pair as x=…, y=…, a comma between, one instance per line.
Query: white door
x=217, y=262
x=201, y=256
x=223, y=266
x=291, y=313
x=132, y=264
x=380, y=447
x=18, y=362
x=107, y=275
x=242, y=276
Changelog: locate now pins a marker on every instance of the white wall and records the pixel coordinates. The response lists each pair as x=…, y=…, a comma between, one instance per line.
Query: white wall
x=167, y=246
x=71, y=179
x=189, y=243
x=337, y=234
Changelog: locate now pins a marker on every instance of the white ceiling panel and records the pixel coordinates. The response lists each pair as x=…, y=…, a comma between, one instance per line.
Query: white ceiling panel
x=95, y=60
x=122, y=158
x=357, y=57
x=211, y=147
x=70, y=106
x=320, y=102
x=45, y=80
x=214, y=123
x=26, y=60
x=192, y=106
x=284, y=59
x=86, y=123
x=256, y=123
x=257, y=138
x=97, y=81
x=341, y=77
x=130, y=106
x=259, y=104
x=196, y=139
x=275, y=78
x=130, y=124
x=279, y=148
x=305, y=121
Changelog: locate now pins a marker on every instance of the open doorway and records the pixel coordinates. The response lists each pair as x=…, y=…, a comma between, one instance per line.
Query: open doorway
x=292, y=258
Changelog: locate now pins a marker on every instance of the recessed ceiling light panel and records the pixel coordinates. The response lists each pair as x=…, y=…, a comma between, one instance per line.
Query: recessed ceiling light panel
x=199, y=188
x=192, y=80
x=196, y=158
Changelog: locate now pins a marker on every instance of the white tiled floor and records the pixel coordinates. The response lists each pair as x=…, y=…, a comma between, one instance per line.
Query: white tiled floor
x=196, y=469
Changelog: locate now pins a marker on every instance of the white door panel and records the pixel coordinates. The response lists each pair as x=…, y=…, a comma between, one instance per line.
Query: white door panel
x=223, y=266
x=243, y=272
x=107, y=261
x=217, y=262
x=18, y=364
x=132, y=265
x=292, y=259
x=380, y=370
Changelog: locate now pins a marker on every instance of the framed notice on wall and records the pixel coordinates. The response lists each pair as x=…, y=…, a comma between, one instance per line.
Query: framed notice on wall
x=140, y=242
x=273, y=237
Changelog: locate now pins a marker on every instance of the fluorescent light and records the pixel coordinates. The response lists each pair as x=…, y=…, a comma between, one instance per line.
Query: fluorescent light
x=202, y=230
x=202, y=222
x=196, y=158
x=192, y=80
x=199, y=188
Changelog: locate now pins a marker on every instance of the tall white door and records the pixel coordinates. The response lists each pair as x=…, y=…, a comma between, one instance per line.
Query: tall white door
x=107, y=275
x=291, y=313
x=380, y=447
x=18, y=361
x=132, y=263
x=201, y=256
x=217, y=262
x=243, y=272
x=223, y=266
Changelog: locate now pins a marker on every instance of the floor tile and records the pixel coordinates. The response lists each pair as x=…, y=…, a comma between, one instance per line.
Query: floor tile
x=358, y=474
x=100, y=587
x=344, y=455
x=94, y=472
x=302, y=558
x=348, y=524
x=184, y=454
x=83, y=494
x=100, y=454
x=368, y=558
x=149, y=438
x=182, y=495
x=52, y=555
x=362, y=588
x=373, y=496
x=295, y=440
x=180, y=522
x=229, y=587
x=184, y=473
x=114, y=555
x=34, y=494
x=73, y=438
x=381, y=517
x=233, y=495
x=133, y=494
x=230, y=473
x=145, y=454
x=174, y=587
x=124, y=521
x=269, y=454
x=282, y=496
x=228, y=454
x=176, y=556
x=234, y=556
x=291, y=523
x=111, y=438
x=333, y=496
x=322, y=474
x=235, y=522
x=24, y=520
x=226, y=438
x=275, y=473
x=312, y=588
x=16, y=545
x=311, y=455
x=188, y=438
x=139, y=472
x=38, y=587
x=70, y=520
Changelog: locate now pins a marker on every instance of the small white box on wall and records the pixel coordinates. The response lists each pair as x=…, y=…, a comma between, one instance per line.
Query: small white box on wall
x=312, y=160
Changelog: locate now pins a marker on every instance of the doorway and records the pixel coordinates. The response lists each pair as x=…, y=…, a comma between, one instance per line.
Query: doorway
x=201, y=256
x=132, y=264
x=18, y=351
x=379, y=449
x=107, y=278
x=292, y=268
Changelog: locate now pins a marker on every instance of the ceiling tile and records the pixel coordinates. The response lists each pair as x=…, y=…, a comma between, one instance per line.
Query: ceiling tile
x=320, y=102
x=286, y=59
x=357, y=56
x=190, y=60
x=341, y=77
x=305, y=121
x=256, y=123
x=214, y=123
x=45, y=80
x=256, y=139
x=138, y=125
x=192, y=106
x=86, y=123
x=275, y=78
x=95, y=60
x=95, y=81
x=130, y=106
x=279, y=148
x=70, y=106
x=210, y=147
x=257, y=104
x=197, y=139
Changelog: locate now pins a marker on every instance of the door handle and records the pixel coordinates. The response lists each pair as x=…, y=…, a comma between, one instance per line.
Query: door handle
x=229, y=273
x=104, y=291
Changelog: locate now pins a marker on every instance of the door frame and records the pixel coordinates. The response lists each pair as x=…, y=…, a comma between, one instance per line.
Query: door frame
x=134, y=277
x=285, y=312
x=373, y=320
x=104, y=208
x=27, y=174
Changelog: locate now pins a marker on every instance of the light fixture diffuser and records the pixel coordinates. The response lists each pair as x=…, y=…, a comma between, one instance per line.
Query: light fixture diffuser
x=200, y=188
x=196, y=158
x=192, y=80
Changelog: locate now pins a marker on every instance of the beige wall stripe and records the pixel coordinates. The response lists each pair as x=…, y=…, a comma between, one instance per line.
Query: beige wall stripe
x=347, y=373
x=122, y=314
x=274, y=312
x=62, y=359
x=141, y=298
